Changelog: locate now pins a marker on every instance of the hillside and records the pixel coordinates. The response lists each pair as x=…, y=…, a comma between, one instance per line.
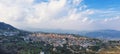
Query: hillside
x=103, y=34
x=6, y=27
x=9, y=30
x=16, y=41
x=110, y=50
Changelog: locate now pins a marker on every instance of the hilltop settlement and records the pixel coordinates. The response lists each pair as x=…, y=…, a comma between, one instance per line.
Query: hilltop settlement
x=15, y=41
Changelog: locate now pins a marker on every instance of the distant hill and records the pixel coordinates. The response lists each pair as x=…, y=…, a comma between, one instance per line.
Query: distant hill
x=6, y=27
x=103, y=34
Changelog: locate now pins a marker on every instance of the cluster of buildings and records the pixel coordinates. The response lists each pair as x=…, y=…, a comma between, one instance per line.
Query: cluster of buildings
x=60, y=39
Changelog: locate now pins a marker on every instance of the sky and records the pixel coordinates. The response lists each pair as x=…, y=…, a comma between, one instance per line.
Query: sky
x=80, y=15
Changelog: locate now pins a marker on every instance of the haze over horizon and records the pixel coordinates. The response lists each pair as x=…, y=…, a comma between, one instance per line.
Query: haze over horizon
x=80, y=15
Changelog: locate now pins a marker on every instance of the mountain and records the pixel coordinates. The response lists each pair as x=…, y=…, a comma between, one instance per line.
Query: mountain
x=6, y=27
x=9, y=30
x=103, y=34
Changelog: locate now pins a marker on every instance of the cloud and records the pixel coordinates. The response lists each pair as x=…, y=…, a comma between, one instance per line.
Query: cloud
x=54, y=14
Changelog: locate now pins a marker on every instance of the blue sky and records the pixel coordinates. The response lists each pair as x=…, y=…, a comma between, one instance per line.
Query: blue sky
x=61, y=14
x=102, y=4
x=39, y=1
x=95, y=4
x=111, y=5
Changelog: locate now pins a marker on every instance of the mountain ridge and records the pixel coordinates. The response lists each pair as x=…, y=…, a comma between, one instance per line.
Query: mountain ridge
x=102, y=34
x=7, y=27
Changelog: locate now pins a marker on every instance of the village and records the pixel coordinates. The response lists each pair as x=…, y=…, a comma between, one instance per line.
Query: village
x=54, y=43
